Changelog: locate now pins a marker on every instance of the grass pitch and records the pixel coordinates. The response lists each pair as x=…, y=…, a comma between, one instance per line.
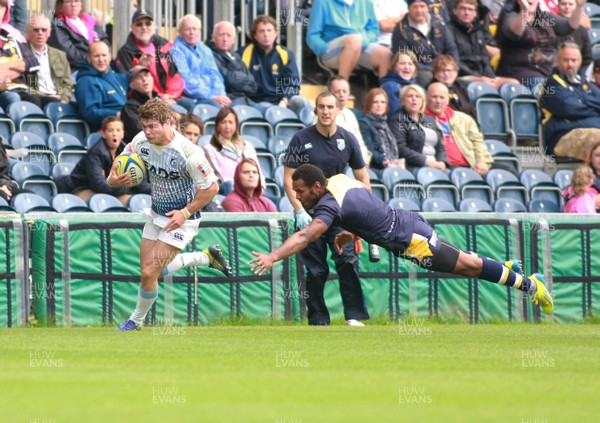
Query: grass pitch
x=407, y=372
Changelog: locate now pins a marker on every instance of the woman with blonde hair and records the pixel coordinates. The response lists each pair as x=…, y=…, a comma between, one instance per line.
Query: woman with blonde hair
x=579, y=197
x=403, y=71
x=420, y=139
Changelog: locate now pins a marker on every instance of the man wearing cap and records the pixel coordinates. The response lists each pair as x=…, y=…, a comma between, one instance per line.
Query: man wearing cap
x=144, y=47
x=100, y=91
x=53, y=81
x=425, y=36
x=142, y=90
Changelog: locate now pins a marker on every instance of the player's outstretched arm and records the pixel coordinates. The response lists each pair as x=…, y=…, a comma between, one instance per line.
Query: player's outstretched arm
x=294, y=244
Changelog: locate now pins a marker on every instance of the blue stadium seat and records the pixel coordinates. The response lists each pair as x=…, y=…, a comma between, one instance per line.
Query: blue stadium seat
x=404, y=204
x=29, y=117
x=523, y=112
x=26, y=203
x=253, y=123
x=226, y=187
x=307, y=116
x=438, y=205
x=7, y=126
x=285, y=205
x=66, y=118
x=283, y=121
x=204, y=140
x=437, y=185
x=541, y=186
x=272, y=189
x=39, y=153
x=208, y=113
x=62, y=169
x=278, y=144
x=4, y=206
x=267, y=162
x=474, y=205
x=562, y=178
x=66, y=147
x=92, y=139
x=509, y=205
x=104, y=203
x=218, y=201
x=402, y=184
x=543, y=206
x=506, y=185
x=69, y=203
x=503, y=155
x=32, y=177
x=256, y=142
x=138, y=202
x=278, y=174
x=471, y=185
x=594, y=34
x=492, y=111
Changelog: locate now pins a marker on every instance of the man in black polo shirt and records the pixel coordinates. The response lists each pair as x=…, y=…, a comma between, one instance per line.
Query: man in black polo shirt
x=330, y=148
x=345, y=203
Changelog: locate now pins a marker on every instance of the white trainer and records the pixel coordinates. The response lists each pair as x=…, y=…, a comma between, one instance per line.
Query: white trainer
x=354, y=322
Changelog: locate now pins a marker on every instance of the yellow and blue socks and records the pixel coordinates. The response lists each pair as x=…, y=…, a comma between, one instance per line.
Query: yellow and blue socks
x=501, y=274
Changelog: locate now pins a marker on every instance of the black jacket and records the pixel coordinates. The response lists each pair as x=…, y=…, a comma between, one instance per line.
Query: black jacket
x=471, y=43
x=131, y=116
x=239, y=82
x=372, y=141
x=581, y=37
x=74, y=45
x=411, y=138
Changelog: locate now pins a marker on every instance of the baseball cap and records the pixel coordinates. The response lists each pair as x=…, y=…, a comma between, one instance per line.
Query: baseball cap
x=134, y=71
x=141, y=13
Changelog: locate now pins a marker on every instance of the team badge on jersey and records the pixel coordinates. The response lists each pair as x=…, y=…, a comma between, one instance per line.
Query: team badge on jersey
x=205, y=168
x=341, y=144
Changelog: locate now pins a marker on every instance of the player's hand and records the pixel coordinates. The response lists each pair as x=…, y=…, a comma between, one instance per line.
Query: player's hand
x=341, y=239
x=177, y=220
x=302, y=219
x=123, y=180
x=263, y=263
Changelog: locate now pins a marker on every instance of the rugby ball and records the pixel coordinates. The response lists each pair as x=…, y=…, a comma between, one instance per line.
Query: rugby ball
x=132, y=164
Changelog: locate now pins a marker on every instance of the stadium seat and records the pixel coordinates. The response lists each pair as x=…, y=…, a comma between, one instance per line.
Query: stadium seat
x=438, y=205
x=272, y=189
x=509, y=205
x=404, y=204
x=204, y=140
x=267, y=162
x=39, y=153
x=278, y=174
x=523, y=112
x=62, y=169
x=541, y=186
x=562, y=178
x=208, y=113
x=256, y=142
x=437, y=185
x=66, y=118
x=32, y=177
x=278, y=144
x=66, y=147
x=283, y=121
x=92, y=139
x=543, y=206
x=594, y=34
x=29, y=117
x=506, y=185
x=402, y=184
x=285, y=205
x=471, y=185
x=104, y=203
x=474, y=205
x=218, y=201
x=492, y=111
x=307, y=116
x=69, y=203
x=7, y=126
x=502, y=154
x=138, y=202
x=226, y=187
x=26, y=203
x=4, y=206
x=253, y=123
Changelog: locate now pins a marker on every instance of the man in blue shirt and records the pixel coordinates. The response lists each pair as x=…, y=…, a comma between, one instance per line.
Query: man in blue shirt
x=331, y=148
x=344, y=202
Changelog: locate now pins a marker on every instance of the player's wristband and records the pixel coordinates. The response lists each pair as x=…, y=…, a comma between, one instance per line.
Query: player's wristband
x=108, y=182
x=186, y=212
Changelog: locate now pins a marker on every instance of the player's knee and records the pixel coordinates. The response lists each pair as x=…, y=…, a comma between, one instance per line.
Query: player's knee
x=353, y=41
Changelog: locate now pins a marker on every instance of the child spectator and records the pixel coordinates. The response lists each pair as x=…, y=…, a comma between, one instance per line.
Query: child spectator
x=192, y=127
x=579, y=196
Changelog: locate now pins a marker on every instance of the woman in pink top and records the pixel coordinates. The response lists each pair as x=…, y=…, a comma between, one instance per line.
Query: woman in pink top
x=227, y=148
x=73, y=30
x=580, y=195
x=247, y=193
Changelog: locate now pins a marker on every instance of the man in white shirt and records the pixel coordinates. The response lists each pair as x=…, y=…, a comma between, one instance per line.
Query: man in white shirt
x=388, y=13
x=53, y=81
